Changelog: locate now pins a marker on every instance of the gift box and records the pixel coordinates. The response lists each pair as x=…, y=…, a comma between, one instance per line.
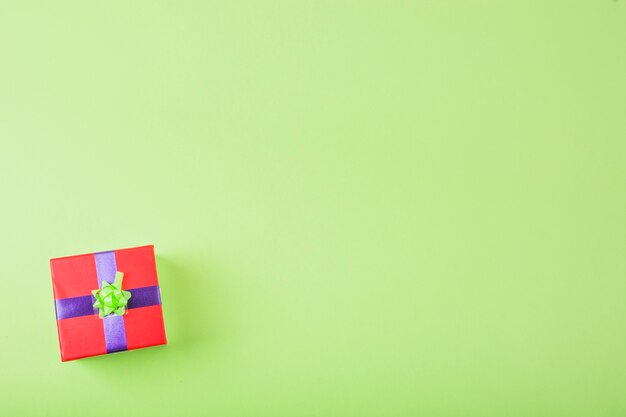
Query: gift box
x=107, y=302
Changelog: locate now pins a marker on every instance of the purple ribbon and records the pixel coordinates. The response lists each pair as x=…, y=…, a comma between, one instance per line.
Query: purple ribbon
x=114, y=331
x=83, y=305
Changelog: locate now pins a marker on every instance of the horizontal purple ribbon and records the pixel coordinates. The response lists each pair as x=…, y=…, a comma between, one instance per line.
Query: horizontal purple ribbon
x=83, y=306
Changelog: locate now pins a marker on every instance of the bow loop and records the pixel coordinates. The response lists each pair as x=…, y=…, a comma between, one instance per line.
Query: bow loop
x=111, y=298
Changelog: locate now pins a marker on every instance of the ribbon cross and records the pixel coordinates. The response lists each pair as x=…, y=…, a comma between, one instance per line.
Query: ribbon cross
x=83, y=305
x=111, y=298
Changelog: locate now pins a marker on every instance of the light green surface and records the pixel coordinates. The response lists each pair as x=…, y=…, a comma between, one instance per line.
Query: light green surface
x=359, y=208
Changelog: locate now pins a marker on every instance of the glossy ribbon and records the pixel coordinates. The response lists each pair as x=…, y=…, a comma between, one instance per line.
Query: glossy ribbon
x=114, y=331
x=83, y=305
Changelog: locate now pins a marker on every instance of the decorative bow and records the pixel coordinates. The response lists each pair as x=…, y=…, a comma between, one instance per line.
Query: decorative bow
x=111, y=298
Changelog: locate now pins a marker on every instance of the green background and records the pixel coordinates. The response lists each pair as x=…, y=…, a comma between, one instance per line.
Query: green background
x=359, y=208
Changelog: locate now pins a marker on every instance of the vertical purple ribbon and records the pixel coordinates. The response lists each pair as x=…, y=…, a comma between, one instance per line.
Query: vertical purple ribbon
x=114, y=331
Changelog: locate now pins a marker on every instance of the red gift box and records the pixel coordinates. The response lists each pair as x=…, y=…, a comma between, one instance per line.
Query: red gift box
x=82, y=332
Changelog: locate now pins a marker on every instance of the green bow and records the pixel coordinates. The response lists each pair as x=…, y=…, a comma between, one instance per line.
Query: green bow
x=110, y=298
